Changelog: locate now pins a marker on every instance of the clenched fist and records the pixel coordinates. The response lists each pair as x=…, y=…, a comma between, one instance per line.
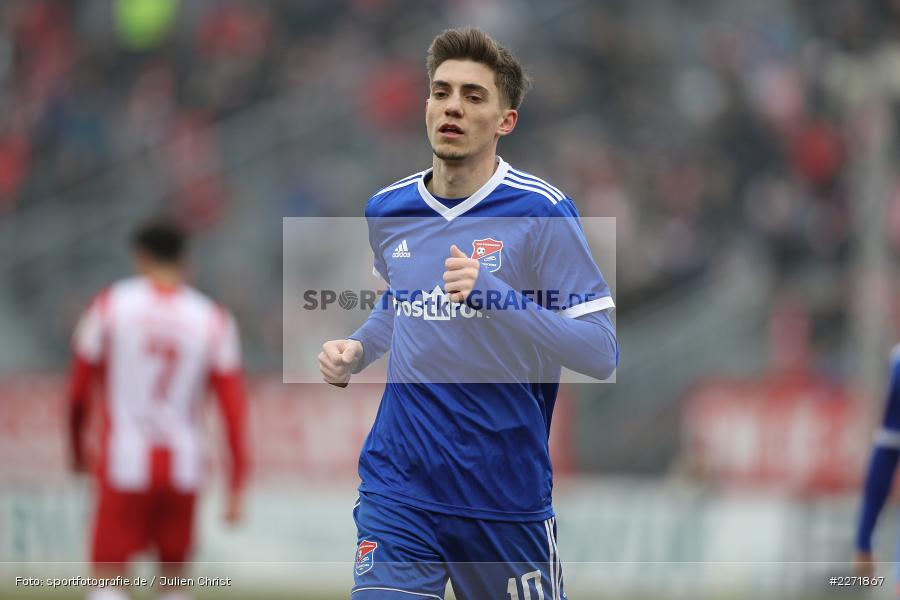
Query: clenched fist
x=338, y=360
x=460, y=276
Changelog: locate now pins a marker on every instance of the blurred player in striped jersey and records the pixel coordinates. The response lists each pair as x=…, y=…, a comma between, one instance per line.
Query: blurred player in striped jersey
x=880, y=475
x=153, y=346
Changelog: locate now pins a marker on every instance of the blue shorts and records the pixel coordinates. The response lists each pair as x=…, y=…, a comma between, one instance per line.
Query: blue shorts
x=404, y=553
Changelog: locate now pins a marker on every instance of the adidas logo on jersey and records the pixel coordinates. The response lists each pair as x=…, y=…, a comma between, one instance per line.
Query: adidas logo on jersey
x=401, y=251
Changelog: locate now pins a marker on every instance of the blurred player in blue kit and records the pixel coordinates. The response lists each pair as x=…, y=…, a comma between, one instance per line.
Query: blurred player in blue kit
x=880, y=475
x=492, y=289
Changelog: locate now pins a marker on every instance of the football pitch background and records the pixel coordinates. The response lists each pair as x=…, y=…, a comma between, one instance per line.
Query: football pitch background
x=620, y=538
x=824, y=594
x=12, y=594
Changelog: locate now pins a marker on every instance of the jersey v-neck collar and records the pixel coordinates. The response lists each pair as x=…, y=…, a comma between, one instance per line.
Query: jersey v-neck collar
x=451, y=212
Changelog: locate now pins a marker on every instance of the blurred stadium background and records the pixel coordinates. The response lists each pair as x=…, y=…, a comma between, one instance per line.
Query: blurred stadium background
x=747, y=149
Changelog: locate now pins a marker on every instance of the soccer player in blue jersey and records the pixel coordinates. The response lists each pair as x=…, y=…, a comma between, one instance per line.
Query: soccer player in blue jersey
x=492, y=289
x=880, y=476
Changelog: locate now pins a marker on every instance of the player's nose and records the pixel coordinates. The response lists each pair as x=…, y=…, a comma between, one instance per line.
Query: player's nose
x=453, y=107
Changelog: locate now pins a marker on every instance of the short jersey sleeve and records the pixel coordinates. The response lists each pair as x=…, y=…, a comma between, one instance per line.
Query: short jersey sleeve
x=226, y=344
x=379, y=266
x=90, y=335
x=568, y=275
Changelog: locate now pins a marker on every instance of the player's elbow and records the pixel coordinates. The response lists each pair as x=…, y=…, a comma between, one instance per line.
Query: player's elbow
x=601, y=356
x=607, y=357
x=605, y=369
x=600, y=367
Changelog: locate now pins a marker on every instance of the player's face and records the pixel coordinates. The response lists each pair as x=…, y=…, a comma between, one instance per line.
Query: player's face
x=464, y=113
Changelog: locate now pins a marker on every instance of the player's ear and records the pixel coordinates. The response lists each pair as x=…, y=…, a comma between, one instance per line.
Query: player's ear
x=508, y=121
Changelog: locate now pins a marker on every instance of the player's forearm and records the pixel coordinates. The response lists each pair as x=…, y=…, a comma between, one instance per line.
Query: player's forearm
x=585, y=345
x=230, y=392
x=875, y=493
x=77, y=419
x=376, y=333
x=79, y=395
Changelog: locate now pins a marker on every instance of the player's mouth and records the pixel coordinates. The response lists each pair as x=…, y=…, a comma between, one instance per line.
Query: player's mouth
x=448, y=130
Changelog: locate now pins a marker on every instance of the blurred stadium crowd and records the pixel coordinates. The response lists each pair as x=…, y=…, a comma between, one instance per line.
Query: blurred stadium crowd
x=705, y=127
x=719, y=133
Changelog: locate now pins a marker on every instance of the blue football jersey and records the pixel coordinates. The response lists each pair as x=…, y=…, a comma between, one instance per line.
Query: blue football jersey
x=464, y=421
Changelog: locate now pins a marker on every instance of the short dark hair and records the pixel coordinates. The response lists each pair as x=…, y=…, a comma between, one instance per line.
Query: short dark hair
x=471, y=43
x=162, y=238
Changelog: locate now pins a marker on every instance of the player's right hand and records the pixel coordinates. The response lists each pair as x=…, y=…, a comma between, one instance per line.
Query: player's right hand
x=338, y=360
x=234, y=507
x=864, y=565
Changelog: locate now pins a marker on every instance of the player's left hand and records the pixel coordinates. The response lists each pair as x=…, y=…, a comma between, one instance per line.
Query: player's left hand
x=461, y=274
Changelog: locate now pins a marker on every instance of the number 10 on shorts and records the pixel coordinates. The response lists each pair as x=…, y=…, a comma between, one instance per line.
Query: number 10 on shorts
x=513, y=590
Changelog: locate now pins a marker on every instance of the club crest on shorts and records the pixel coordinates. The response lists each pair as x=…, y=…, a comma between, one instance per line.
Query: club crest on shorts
x=487, y=251
x=365, y=556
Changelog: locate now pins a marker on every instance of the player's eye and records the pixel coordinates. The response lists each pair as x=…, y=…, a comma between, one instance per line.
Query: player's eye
x=474, y=98
x=439, y=94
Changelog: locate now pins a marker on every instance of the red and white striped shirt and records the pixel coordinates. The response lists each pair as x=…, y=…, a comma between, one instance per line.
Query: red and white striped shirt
x=156, y=350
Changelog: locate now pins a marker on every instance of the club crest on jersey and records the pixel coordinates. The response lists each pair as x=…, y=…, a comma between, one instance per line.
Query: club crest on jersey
x=487, y=251
x=365, y=556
